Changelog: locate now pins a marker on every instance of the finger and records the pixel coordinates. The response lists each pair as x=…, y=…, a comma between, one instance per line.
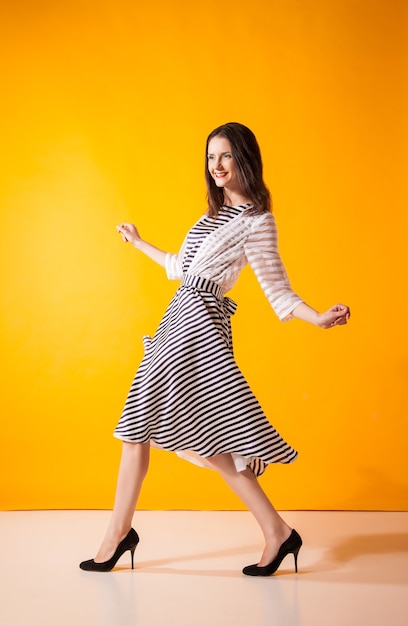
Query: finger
x=122, y=232
x=340, y=321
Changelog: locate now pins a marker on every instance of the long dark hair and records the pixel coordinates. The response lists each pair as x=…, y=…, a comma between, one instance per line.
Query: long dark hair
x=248, y=161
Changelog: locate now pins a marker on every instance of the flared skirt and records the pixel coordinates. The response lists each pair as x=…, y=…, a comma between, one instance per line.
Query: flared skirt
x=189, y=395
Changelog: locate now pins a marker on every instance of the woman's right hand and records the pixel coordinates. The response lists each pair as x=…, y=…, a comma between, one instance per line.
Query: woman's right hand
x=129, y=233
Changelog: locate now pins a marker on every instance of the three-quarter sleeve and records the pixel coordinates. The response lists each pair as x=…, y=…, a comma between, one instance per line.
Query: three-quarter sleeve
x=173, y=266
x=261, y=251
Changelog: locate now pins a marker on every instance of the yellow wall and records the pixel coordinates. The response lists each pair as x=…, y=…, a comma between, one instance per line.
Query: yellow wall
x=105, y=110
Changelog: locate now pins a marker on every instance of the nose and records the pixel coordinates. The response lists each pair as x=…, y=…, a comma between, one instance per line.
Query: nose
x=218, y=163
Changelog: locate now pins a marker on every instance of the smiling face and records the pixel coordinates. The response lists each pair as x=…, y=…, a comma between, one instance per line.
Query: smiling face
x=233, y=170
x=221, y=165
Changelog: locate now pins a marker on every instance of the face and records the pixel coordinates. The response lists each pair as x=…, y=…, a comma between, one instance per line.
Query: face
x=221, y=164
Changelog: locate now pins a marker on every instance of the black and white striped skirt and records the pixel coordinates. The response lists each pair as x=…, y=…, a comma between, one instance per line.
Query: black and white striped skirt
x=189, y=395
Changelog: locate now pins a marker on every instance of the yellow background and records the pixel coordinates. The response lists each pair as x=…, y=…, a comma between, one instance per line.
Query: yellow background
x=105, y=108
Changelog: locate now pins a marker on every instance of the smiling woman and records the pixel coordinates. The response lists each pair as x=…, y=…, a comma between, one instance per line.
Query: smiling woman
x=189, y=395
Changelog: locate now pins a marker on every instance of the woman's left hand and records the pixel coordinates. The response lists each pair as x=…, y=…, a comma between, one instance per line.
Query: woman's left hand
x=337, y=315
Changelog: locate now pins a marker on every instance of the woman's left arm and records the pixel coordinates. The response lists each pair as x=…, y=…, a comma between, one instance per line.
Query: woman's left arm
x=261, y=250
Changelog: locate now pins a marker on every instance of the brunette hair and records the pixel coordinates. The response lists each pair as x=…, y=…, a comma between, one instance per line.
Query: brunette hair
x=248, y=162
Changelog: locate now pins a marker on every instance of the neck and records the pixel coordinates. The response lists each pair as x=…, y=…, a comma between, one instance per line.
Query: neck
x=233, y=198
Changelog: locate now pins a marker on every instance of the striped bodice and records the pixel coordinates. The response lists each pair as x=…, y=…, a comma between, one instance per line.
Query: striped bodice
x=204, y=227
x=218, y=249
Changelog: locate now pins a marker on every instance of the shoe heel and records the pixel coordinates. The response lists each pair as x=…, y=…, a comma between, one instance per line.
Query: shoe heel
x=295, y=556
x=132, y=553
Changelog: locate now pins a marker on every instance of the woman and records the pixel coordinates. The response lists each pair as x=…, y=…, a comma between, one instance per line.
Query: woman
x=188, y=394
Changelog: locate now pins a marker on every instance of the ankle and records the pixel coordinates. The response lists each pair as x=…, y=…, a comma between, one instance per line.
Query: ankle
x=115, y=534
x=277, y=534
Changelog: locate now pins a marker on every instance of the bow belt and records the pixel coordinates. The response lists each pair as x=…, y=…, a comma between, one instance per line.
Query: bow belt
x=205, y=284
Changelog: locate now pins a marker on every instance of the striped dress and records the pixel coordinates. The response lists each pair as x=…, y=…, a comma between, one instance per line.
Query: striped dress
x=189, y=395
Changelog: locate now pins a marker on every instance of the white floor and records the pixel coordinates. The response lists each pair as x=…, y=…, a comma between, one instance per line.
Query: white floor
x=353, y=571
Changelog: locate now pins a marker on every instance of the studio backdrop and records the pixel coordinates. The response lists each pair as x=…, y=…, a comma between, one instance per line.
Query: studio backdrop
x=105, y=109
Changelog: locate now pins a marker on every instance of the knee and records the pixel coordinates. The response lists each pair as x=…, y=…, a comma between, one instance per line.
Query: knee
x=223, y=463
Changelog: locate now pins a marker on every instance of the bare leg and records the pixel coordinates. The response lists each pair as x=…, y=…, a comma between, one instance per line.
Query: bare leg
x=132, y=471
x=246, y=486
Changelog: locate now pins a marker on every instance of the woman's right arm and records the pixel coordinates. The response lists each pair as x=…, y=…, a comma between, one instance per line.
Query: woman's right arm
x=130, y=233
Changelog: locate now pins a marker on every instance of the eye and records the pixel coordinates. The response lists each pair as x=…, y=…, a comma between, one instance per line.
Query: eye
x=227, y=156
x=210, y=157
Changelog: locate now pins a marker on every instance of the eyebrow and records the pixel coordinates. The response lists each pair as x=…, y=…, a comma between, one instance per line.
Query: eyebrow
x=222, y=153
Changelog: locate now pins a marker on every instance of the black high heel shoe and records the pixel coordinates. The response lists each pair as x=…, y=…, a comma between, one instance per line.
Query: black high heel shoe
x=128, y=543
x=290, y=546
